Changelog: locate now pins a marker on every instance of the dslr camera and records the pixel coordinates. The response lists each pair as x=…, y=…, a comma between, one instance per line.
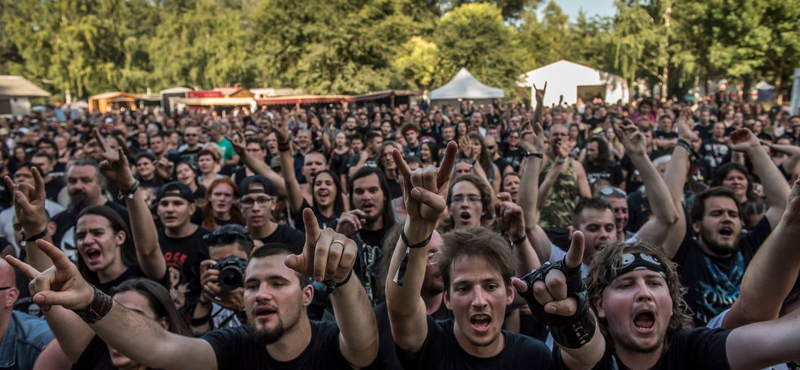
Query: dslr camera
x=231, y=273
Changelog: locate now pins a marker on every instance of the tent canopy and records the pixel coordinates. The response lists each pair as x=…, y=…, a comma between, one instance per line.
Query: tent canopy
x=465, y=86
x=17, y=86
x=571, y=81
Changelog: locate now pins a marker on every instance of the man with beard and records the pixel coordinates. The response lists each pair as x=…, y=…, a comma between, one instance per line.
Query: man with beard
x=370, y=216
x=276, y=294
x=476, y=269
x=712, y=265
x=85, y=186
x=634, y=296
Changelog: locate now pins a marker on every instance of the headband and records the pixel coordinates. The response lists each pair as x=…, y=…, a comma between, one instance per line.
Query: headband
x=640, y=261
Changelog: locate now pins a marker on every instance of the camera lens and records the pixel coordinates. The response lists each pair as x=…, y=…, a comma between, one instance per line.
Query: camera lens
x=230, y=278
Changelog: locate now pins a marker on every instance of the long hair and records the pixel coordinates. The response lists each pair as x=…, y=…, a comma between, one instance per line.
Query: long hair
x=606, y=266
x=128, y=252
x=725, y=169
x=382, y=156
x=159, y=301
x=434, y=152
x=485, y=159
x=603, y=153
x=338, y=199
x=388, y=210
x=209, y=222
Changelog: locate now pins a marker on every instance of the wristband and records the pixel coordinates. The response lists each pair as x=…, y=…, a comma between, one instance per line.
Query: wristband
x=518, y=241
x=331, y=285
x=568, y=331
x=200, y=320
x=130, y=192
x=99, y=308
x=684, y=144
x=33, y=238
x=527, y=154
x=421, y=244
x=284, y=147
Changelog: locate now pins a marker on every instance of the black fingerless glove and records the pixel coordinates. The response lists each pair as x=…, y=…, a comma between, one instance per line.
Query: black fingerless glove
x=568, y=331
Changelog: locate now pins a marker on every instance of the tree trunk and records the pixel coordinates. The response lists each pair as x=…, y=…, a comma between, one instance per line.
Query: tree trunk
x=665, y=47
x=778, y=95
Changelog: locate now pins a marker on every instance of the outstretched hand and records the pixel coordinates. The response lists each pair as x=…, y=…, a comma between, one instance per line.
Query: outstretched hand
x=29, y=203
x=238, y=142
x=532, y=137
x=553, y=292
x=115, y=165
x=59, y=285
x=327, y=255
x=632, y=139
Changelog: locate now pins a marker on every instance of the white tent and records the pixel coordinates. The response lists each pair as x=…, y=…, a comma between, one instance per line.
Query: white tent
x=570, y=80
x=466, y=87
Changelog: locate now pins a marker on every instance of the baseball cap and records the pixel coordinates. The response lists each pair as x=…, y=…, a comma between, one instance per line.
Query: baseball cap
x=275, y=163
x=244, y=189
x=175, y=189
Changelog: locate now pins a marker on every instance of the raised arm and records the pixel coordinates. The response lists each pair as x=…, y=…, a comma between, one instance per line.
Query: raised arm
x=775, y=265
x=790, y=163
x=763, y=344
x=664, y=212
x=329, y=256
x=532, y=141
x=776, y=189
x=142, y=339
x=293, y=192
x=511, y=222
x=675, y=178
x=424, y=192
x=257, y=165
x=143, y=229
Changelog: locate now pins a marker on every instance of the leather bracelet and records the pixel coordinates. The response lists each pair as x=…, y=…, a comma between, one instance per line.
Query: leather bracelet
x=197, y=321
x=527, y=154
x=99, y=308
x=330, y=285
x=421, y=244
x=518, y=241
x=684, y=144
x=35, y=237
x=284, y=147
x=130, y=192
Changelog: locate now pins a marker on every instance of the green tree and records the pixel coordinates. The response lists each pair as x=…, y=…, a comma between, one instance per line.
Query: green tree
x=416, y=62
x=474, y=36
x=511, y=9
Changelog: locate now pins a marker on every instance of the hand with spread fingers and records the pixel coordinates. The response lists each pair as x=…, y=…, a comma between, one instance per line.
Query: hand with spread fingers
x=59, y=285
x=634, y=141
x=424, y=194
x=539, y=93
x=557, y=297
x=281, y=130
x=115, y=166
x=509, y=217
x=327, y=255
x=532, y=138
x=29, y=203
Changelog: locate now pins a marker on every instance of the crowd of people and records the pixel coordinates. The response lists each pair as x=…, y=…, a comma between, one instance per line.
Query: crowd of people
x=650, y=235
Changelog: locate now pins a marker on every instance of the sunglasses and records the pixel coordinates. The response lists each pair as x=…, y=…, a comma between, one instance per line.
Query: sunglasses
x=611, y=191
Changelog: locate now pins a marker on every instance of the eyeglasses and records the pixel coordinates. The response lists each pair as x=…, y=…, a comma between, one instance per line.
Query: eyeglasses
x=190, y=135
x=249, y=202
x=490, y=147
x=470, y=198
x=611, y=191
x=432, y=256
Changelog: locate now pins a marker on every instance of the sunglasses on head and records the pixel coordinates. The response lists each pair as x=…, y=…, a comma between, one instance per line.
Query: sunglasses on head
x=611, y=191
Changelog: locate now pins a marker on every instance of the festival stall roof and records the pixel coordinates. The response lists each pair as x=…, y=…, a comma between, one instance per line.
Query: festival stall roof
x=16, y=86
x=464, y=86
x=220, y=101
x=571, y=80
x=270, y=92
x=304, y=99
x=106, y=101
x=175, y=90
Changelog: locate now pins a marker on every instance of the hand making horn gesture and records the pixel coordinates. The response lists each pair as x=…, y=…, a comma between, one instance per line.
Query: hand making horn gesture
x=632, y=139
x=29, y=203
x=115, y=165
x=59, y=285
x=327, y=255
x=424, y=193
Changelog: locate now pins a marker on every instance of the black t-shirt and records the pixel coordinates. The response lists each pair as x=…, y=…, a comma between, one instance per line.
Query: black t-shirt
x=442, y=351
x=394, y=188
x=186, y=155
x=286, y=235
x=666, y=135
x=714, y=152
x=324, y=222
x=501, y=164
x=513, y=157
x=183, y=257
x=704, y=131
x=54, y=187
x=338, y=162
x=133, y=272
x=700, y=171
x=701, y=349
x=713, y=283
x=387, y=354
x=240, y=348
x=370, y=245
x=95, y=357
x=612, y=172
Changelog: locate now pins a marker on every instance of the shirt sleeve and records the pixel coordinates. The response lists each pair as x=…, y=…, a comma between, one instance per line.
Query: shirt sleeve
x=432, y=349
x=223, y=342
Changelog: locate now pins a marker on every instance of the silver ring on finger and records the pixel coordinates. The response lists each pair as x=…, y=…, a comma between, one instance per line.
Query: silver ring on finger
x=339, y=242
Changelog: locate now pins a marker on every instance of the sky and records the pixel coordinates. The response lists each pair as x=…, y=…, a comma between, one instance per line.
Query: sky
x=591, y=7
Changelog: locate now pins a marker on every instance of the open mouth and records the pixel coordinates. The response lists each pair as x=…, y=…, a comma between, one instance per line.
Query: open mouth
x=323, y=195
x=480, y=322
x=726, y=231
x=645, y=322
x=465, y=217
x=264, y=313
x=367, y=208
x=93, y=255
